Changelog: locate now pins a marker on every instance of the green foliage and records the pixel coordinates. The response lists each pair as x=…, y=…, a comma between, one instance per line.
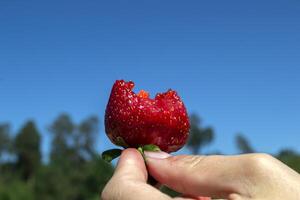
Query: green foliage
x=290, y=158
x=199, y=137
x=111, y=154
x=53, y=182
x=15, y=190
x=98, y=174
x=169, y=191
x=150, y=147
x=243, y=144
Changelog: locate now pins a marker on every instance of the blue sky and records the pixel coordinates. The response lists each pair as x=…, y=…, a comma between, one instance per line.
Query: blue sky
x=235, y=63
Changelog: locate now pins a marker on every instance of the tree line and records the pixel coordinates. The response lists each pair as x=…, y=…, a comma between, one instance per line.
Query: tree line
x=74, y=170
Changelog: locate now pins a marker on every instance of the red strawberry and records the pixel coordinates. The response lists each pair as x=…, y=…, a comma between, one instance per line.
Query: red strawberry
x=134, y=120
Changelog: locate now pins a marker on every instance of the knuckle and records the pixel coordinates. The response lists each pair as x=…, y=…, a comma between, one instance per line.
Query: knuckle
x=259, y=162
x=260, y=169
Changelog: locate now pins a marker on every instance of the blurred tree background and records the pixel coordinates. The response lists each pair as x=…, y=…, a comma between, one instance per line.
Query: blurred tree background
x=74, y=170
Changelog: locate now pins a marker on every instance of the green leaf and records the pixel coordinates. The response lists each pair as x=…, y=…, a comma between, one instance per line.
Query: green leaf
x=111, y=154
x=140, y=149
x=150, y=147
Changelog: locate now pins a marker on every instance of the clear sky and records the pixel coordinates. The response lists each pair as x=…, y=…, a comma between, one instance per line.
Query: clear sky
x=235, y=63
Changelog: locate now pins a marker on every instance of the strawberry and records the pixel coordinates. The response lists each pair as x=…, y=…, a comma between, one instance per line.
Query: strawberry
x=135, y=120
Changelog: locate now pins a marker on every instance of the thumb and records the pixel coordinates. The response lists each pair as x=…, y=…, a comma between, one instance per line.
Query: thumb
x=131, y=166
x=212, y=176
x=129, y=180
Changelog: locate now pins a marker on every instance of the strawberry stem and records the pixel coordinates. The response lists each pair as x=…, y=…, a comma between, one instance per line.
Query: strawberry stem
x=142, y=149
x=111, y=154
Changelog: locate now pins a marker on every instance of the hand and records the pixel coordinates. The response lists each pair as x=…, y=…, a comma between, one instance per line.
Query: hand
x=244, y=177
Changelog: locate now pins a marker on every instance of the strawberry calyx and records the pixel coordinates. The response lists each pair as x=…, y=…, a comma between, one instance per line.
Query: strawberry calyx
x=111, y=154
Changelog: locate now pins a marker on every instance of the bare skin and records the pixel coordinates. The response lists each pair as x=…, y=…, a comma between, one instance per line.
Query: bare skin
x=243, y=177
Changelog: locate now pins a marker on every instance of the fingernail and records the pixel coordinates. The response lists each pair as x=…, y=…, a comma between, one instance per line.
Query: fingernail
x=156, y=155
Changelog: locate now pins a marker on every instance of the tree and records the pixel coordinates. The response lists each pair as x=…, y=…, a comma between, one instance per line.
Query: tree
x=85, y=137
x=15, y=190
x=61, y=129
x=85, y=182
x=290, y=158
x=73, y=143
x=27, y=148
x=199, y=137
x=243, y=144
x=5, y=141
